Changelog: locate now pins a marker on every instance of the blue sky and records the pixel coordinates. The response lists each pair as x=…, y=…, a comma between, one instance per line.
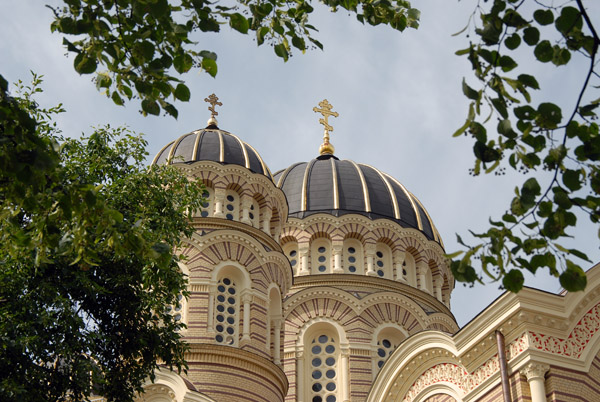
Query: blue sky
x=398, y=95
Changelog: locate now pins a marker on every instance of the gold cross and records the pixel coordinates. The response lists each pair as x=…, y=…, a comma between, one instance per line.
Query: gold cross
x=214, y=101
x=326, y=112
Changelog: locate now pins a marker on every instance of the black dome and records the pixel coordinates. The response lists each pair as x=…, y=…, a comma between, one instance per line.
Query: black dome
x=339, y=187
x=212, y=144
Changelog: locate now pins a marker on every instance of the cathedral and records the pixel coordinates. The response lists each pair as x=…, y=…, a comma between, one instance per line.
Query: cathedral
x=327, y=281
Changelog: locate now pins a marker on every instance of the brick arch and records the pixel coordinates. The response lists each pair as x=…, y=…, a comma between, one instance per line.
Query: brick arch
x=386, y=236
x=292, y=232
x=412, y=245
x=381, y=313
x=319, y=230
x=353, y=230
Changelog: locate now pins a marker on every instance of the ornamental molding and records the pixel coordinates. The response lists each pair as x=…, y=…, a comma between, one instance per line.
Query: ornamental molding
x=272, y=194
x=534, y=370
x=322, y=292
x=577, y=340
x=156, y=390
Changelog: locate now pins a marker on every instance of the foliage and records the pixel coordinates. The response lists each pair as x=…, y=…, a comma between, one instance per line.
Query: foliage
x=87, y=235
x=532, y=138
x=141, y=42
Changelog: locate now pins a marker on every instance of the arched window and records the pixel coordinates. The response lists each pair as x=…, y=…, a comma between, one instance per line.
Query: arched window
x=290, y=250
x=232, y=205
x=177, y=310
x=254, y=214
x=274, y=323
x=387, y=340
x=207, y=208
x=353, y=256
x=383, y=261
x=323, y=367
x=409, y=269
x=321, y=256
x=227, y=312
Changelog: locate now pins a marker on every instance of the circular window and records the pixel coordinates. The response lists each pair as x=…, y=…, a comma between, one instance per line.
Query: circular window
x=380, y=272
x=330, y=361
x=322, y=249
x=330, y=398
x=230, y=310
x=352, y=268
x=381, y=352
x=251, y=215
x=221, y=298
x=330, y=349
x=219, y=338
x=330, y=374
x=220, y=308
x=229, y=216
x=316, y=362
x=322, y=268
x=317, y=374
x=221, y=288
x=351, y=250
x=227, y=281
x=230, y=198
x=293, y=253
x=379, y=254
x=231, y=291
x=317, y=399
x=352, y=259
x=386, y=343
x=204, y=214
x=229, y=207
x=323, y=338
x=317, y=387
x=316, y=349
x=220, y=318
x=293, y=263
x=380, y=264
x=230, y=330
x=404, y=272
x=219, y=328
x=231, y=300
x=322, y=258
x=330, y=386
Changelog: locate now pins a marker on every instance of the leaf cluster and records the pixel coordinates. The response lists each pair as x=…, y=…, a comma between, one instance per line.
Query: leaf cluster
x=87, y=249
x=135, y=47
x=530, y=138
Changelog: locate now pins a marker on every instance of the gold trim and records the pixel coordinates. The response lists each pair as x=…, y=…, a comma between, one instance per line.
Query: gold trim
x=390, y=190
x=303, y=200
x=436, y=235
x=326, y=148
x=174, y=146
x=243, y=145
x=364, y=186
x=222, y=150
x=199, y=134
x=336, y=195
x=160, y=153
x=285, y=173
x=262, y=163
x=412, y=202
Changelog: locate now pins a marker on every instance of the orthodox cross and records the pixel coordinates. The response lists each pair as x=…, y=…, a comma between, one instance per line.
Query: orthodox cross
x=214, y=101
x=325, y=110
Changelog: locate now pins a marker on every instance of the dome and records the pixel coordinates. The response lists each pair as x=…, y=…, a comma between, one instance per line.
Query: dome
x=212, y=144
x=339, y=187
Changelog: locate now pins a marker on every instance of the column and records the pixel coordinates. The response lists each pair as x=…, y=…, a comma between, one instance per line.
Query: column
x=277, y=341
x=246, y=204
x=299, y=376
x=267, y=221
x=303, y=257
x=220, y=194
x=246, y=299
x=370, y=253
x=336, y=250
x=535, y=373
x=398, y=257
x=421, y=272
x=212, y=289
x=437, y=287
x=344, y=374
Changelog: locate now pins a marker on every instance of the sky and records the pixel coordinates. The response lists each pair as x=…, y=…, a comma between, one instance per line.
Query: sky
x=398, y=96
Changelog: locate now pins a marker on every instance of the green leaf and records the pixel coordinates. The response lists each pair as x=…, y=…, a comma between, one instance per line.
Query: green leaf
x=281, y=51
x=238, y=22
x=183, y=63
x=150, y=107
x=569, y=21
x=573, y=279
x=84, y=65
x=528, y=81
x=469, y=92
x=531, y=35
x=513, y=280
x=182, y=92
x=513, y=41
x=571, y=179
x=544, y=51
x=116, y=98
x=561, y=198
x=210, y=66
x=507, y=63
x=549, y=115
x=260, y=35
x=561, y=56
x=543, y=16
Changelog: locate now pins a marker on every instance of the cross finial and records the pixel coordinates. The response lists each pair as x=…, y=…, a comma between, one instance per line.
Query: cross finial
x=213, y=100
x=325, y=110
